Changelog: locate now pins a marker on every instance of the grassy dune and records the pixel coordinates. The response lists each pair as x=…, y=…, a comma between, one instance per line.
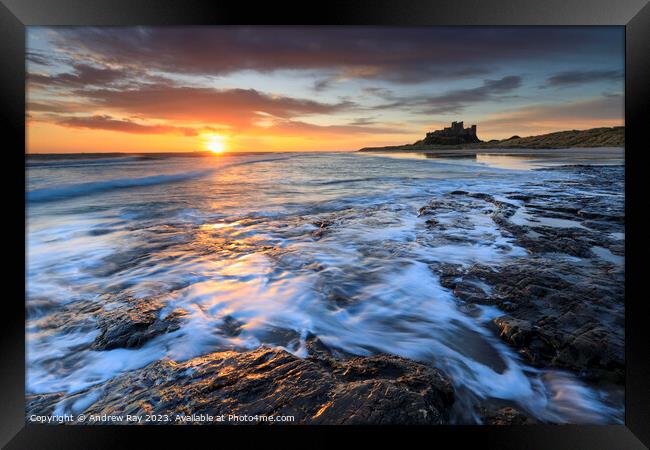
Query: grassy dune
x=595, y=137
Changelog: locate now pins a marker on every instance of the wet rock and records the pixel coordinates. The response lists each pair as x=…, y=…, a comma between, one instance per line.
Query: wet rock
x=448, y=273
x=45, y=404
x=436, y=206
x=595, y=352
x=521, y=197
x=507, y=416
x=431, y=222
x=570, y=241
x=76, y=316
x=316, y=348
x=471, y=292
x=284, y=337
x=381, y=389
x=322, y=225
x=559, y=313
x=503, y=208
x=231, y=327
x=525, y=335
x=131, y=326
x=562, y=303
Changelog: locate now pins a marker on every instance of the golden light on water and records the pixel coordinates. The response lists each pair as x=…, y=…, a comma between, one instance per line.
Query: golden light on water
x=216, y=144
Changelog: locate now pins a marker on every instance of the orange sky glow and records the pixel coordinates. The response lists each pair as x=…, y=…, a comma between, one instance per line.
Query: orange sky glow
x=232, y=89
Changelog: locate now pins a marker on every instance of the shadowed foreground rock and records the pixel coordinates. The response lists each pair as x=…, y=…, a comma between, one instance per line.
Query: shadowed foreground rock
x=561, y=313
x=562, y=303
x=507, y=416
x=134, y=325
x=380, y=389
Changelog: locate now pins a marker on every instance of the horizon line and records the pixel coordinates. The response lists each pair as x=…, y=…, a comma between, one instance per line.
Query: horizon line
x=207, y=152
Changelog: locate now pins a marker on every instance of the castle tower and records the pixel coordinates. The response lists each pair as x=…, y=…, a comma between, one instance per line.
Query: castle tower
x=454, y=135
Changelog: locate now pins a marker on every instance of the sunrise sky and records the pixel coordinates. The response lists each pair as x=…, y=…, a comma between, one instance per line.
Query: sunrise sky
x=312, y=88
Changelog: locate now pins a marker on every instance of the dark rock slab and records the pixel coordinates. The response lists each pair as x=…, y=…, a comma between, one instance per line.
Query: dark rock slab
x=43, y=403
x=507, y=416
x=562, y=303
x=381, y=389
x=231, y=327
x=132, y=325
x=557, y=313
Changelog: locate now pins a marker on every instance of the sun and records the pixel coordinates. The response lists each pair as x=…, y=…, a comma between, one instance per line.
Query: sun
x=216, y=144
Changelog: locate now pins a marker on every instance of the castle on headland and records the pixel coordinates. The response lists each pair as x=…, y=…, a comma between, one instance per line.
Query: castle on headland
x=453, y=135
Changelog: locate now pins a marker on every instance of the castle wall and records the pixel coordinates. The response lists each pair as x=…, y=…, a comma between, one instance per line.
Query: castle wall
x=457, y=132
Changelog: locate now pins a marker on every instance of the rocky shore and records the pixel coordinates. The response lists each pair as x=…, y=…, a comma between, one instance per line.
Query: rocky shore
x=561, y=305
x=612, y=137
x=381, y=389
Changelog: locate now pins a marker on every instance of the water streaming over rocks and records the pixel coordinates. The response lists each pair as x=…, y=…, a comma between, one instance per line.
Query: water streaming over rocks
x=508, y=281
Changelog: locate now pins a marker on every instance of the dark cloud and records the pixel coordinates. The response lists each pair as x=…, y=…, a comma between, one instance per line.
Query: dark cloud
x=323, y=84
x=598, y=109
x=205, y=104
x=423, y=72
x=363, y=121
x=35, y=57
x=82, y=75
x=579, y=77
x=48, y=107
x=296, y=127
x=402, y=55
x=455, y=100
x=104, y=122
x=382, y=93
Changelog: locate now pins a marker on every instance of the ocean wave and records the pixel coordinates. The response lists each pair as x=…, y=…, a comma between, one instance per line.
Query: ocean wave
x=81, y=189
x=61, y=164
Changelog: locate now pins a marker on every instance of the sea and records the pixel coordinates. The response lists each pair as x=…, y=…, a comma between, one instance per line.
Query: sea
x=280, y=247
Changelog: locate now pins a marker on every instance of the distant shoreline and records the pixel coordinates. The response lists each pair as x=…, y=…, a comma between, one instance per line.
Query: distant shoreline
x=167, y=154
x=595, y=138
x=589, y=152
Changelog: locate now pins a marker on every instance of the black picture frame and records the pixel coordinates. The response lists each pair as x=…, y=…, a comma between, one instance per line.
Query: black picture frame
x=634, y=15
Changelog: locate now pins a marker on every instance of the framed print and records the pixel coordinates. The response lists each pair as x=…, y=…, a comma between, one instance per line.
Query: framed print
x=376, y=219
